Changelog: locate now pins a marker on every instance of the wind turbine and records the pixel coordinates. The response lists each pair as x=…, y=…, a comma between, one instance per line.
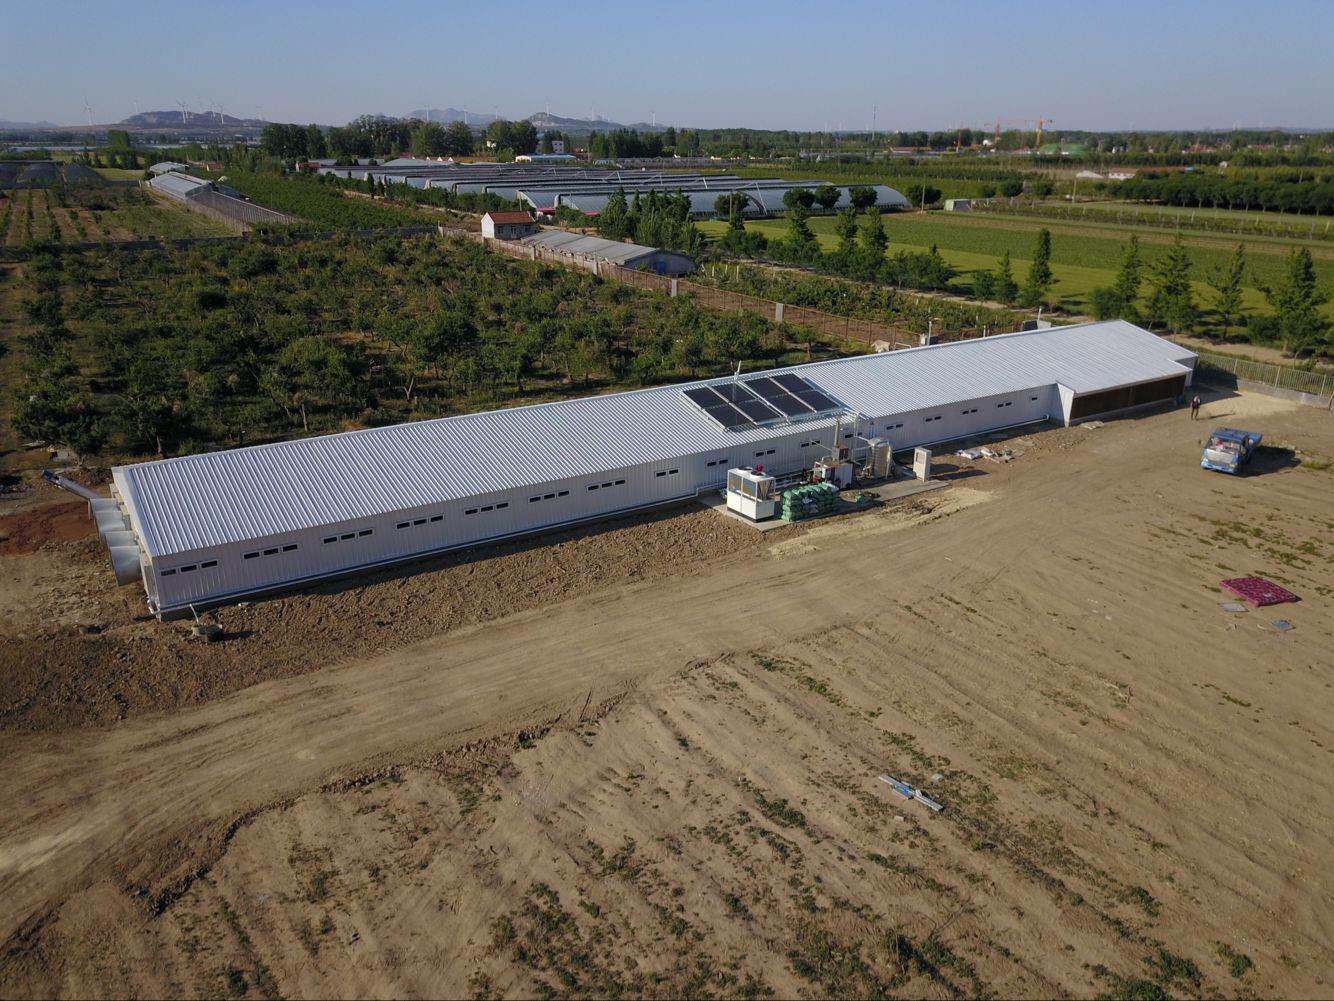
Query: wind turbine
x=89, y=111
x=259, y=112
x=185, y=115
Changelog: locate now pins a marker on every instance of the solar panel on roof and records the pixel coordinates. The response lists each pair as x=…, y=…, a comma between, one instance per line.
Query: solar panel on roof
x=778, y=397
x=757, y=410
x=816, y=400
x=790, y=405
x=732, y=392
x=702, y=395
x=727, y=415
x=792, y=383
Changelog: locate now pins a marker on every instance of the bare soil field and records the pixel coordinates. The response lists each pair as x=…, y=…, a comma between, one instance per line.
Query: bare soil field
x=664, y=782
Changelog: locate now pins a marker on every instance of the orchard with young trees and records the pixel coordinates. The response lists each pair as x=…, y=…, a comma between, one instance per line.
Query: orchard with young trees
x=183, y=349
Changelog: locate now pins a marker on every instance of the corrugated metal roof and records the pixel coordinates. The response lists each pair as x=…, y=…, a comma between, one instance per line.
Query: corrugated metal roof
x=198, y=501
x=180, y=185
x=588, y=246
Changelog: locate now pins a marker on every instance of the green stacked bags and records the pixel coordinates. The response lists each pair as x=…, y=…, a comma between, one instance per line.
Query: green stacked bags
x=809, y=501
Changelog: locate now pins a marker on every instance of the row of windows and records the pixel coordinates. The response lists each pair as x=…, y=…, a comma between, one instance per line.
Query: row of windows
x=718, y=462
x=336, y=538
x=542, y=497
x=614, y=483
x=420, y=521
x=666, y=472
x=488, y=507
x=761, y=455
x=1007, y=403
x=928, y=420
x=966, y=412
x=289, y=548
x=190, y=567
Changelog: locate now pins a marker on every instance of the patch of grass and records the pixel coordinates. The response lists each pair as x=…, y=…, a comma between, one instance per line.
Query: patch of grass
x=779, y=811
x=1141, y=898
x=1238, y=963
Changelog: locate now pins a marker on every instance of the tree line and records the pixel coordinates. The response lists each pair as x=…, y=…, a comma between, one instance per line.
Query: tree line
x=653, y=220
x=1162, y=294
x=1281, y=190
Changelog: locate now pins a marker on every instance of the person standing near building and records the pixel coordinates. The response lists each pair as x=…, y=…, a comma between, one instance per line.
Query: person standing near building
x=1194, y=406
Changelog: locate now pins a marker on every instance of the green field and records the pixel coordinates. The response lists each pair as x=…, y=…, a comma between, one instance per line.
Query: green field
x=1084, y=256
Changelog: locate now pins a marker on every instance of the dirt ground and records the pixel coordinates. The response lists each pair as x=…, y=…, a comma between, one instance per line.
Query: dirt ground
x=643, y=761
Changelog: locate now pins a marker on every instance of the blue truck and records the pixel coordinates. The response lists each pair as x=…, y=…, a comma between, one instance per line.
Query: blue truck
x=1228, y=449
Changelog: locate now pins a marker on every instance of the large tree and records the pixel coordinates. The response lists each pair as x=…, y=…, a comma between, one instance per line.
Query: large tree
x=1296, y=300
x=458, y=139
x=1227, y=286
x=428, y=139
x=1040, y=278
x=1172, y=301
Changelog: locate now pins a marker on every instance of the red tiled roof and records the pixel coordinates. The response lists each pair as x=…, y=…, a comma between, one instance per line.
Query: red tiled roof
x=510, y=217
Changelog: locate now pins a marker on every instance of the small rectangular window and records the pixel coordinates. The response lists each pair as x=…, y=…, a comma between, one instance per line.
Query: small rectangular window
x=349, y=535
x=502, y=505
x=488, y=507
x=210, y=563
x=533, y=500
x=661, y=472
x=672, y=472
x=271, y=552
x=332, y=538
x=592, y=486
x=620, y=483
x=420, y=521
x=437, y=517
x=1034, y=399
x=605, y=486
x=168, y=573
x=471, y=510
x=563, y=493
x=366, y=531
x=552, y=496
x=250, y=556
x=189, y=569
x=402, y=524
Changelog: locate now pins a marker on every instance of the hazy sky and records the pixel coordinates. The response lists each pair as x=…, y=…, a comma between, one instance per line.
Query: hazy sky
x=1116, y=64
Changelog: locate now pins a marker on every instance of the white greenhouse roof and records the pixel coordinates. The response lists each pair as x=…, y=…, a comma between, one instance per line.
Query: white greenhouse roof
x=589, y=246
x=182, y=185
x=200, y=501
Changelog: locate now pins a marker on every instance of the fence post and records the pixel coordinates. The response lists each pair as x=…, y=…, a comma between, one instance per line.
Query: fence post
x=673, y=293
x=778, y=312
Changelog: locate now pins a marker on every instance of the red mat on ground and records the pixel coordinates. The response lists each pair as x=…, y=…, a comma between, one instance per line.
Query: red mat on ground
x=1258, y=591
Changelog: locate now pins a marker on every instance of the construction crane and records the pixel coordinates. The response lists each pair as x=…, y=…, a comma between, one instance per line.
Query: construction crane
x=1041, y=122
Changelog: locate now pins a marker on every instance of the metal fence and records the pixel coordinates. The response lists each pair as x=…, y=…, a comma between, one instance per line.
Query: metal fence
x=1295, y=380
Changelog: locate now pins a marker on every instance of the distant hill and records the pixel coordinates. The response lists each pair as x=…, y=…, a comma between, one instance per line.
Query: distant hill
x=446, y=115
x=194, y=120
x=543, y=120
x=5, y=123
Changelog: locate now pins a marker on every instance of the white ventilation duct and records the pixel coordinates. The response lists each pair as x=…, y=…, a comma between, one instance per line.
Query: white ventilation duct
x=110, y=521
x=120, y=537
x=125, y=562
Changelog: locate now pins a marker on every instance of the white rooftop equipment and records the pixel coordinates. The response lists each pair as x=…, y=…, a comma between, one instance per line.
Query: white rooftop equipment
x=751, y=493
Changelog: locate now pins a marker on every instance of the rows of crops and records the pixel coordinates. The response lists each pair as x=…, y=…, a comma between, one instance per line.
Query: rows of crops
x=323, y=206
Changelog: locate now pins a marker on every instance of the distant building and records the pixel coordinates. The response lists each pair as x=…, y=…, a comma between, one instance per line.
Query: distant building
x=558, y=145
x=167, y=166
x=1121, y=173
x=507, y=225
x=958, y=204
x=589, y=251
